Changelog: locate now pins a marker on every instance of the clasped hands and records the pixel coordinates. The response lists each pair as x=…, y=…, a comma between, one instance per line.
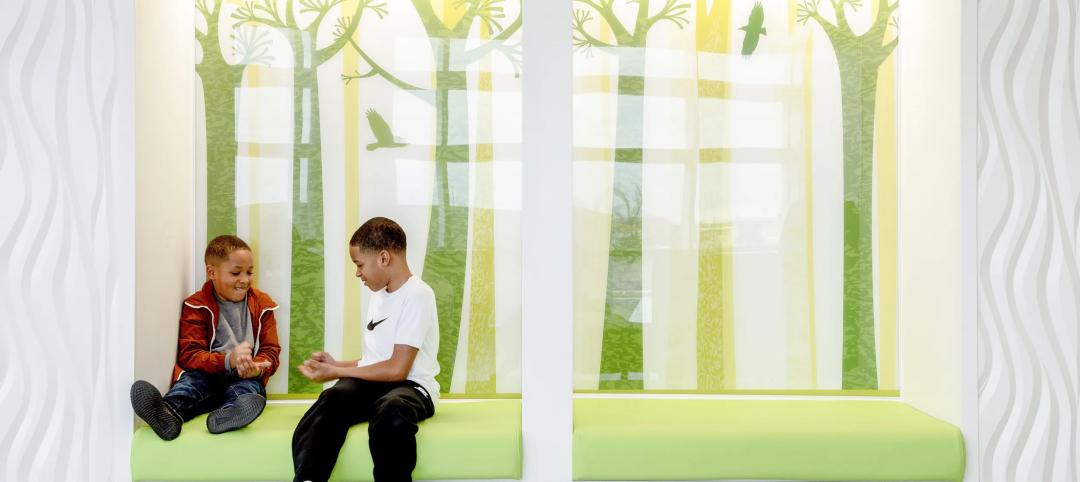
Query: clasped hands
x=320, y=367
x=244, y=363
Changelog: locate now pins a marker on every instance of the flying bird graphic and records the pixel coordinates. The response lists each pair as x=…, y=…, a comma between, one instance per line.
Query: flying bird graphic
x=754, y=29
x=384, y=137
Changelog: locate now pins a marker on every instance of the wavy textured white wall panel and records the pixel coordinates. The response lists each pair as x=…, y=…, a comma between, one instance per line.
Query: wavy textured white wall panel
x=66, y=239
x=1028, y=212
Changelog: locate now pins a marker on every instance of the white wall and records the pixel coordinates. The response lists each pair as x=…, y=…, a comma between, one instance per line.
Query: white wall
x=164, y=146
x=989, y=228
x=547, y=280
x=67, y=279
x=936, y=245
x=1028, y=207
x=930, y=208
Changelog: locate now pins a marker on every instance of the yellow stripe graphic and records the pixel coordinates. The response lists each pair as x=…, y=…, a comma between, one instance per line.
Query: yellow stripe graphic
x=352, y=316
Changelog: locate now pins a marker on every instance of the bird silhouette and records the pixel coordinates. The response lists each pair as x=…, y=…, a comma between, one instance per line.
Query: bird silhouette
x=754, y=29
x=384, y=137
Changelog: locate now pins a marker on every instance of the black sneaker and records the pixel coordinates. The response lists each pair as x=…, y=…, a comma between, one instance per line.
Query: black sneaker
x=149, y=406
x=242, y=412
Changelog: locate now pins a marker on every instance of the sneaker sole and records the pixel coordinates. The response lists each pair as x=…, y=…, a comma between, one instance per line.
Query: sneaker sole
x=148, y=405
x=247, y=408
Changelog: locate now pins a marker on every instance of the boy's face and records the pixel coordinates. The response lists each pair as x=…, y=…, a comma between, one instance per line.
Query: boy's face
x=372, y=267
x=232, y=277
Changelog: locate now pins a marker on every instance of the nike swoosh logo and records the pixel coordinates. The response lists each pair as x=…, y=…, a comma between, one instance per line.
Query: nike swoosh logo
x=372, y=324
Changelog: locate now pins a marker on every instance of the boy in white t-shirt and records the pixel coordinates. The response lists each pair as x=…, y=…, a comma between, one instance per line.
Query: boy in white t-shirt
x=393, y=386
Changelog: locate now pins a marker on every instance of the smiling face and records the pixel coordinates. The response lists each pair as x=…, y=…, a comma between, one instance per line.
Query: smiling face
x=232, y=277
x=372, y=267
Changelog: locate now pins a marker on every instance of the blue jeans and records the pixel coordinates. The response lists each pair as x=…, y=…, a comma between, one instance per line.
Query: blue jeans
x=196, y=393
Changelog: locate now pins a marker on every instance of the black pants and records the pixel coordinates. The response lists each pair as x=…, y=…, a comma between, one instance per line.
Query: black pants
x=393, y=409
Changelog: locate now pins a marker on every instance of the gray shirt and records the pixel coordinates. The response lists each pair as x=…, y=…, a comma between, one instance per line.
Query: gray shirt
x=233, y=327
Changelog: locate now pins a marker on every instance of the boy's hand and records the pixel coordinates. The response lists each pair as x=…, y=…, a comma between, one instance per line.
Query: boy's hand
x=317, y=371
x=256, y=370
x=322, y=356
x=241, y=359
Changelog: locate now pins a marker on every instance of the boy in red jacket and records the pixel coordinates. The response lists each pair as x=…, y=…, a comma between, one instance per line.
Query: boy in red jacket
x=227, y=350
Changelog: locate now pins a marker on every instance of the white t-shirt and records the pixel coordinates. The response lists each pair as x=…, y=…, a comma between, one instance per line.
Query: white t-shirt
x=405, y=317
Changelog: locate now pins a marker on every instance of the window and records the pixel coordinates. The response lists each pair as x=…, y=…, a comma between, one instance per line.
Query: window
x=317, y=119
x=734, y=196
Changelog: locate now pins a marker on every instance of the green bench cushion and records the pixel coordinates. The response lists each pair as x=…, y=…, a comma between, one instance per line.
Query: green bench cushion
x=680, y=439
x=464, y=440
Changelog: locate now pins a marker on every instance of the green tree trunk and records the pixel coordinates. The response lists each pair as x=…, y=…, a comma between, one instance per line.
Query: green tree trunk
x=858, y=90
x=621, y=359
x=448, y=225
x=307, y=301
x=220, y=81
x=858, y=58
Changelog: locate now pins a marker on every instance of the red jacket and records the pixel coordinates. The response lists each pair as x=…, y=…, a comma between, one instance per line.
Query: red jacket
x=198, y=324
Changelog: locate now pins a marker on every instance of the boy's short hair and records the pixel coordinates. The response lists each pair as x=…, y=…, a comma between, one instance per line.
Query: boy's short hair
x=221, y=247
x=378, y=234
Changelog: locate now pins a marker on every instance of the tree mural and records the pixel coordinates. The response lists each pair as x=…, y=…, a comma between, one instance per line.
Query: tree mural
x=220, y=80
x=621, y=359
x=715, y=362
x=858, y=57
x=448, y=225
x=307, y=296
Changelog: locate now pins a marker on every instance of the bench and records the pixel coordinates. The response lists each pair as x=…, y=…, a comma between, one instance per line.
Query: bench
x=614, y=439
x=710, y=439
x=476, y=439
